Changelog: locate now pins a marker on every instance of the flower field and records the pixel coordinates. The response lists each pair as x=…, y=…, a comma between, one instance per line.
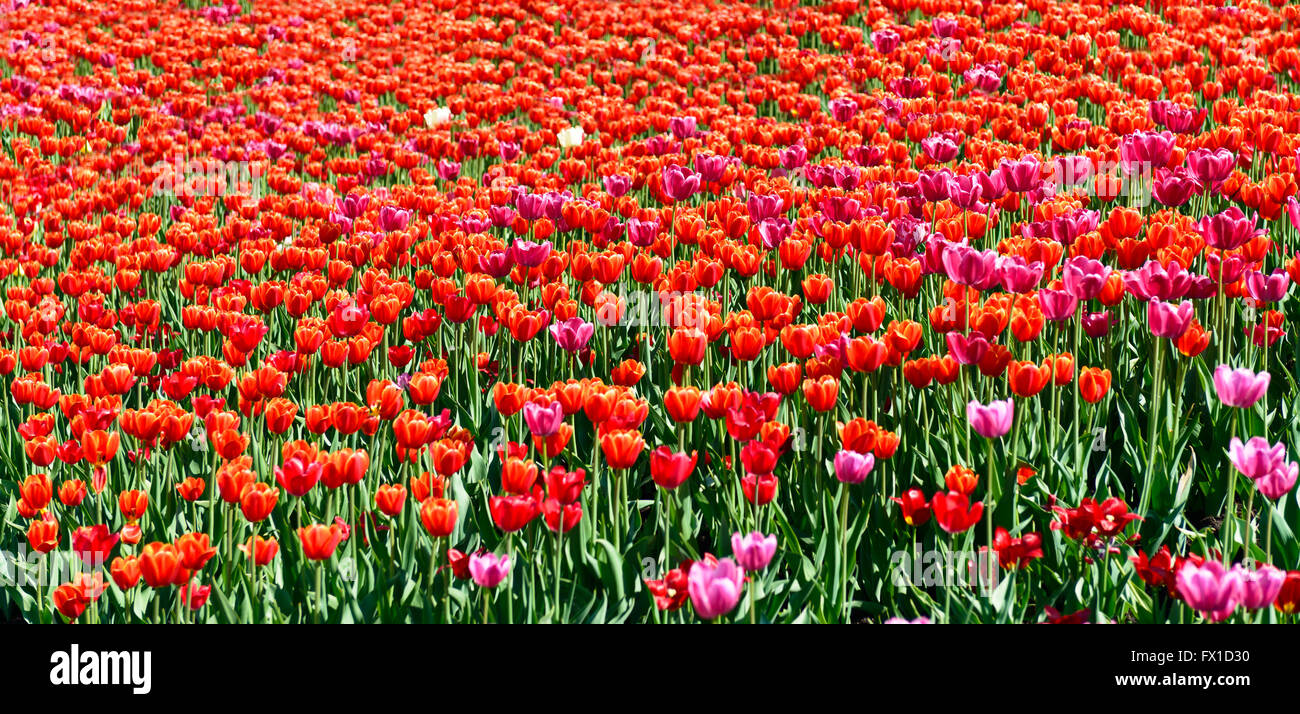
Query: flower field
x=660, y=312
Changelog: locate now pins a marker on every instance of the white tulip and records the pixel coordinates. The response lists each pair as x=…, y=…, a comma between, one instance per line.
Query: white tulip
x=436, y=116
x=571, y=137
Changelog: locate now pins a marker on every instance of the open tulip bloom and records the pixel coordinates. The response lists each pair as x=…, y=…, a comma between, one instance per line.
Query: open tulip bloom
x=720, y=311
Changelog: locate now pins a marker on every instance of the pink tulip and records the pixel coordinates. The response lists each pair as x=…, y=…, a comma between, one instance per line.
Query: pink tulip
x=1267, y=288
x=715, y=589
x=530, y=254
x=965, y=349
x=1084, y=277
x=968, y=266
x=1154, y=281
x=1018, y=276
x=1259, y=587
x=1167, y=320
x=1255, y=459
x=1209, y=589
x=853, y=468
x=573, y=334
x=543, y=420
x=489, y=569
x=753, y=551
x=679, y=183
x=1228, y=230
x=992, y=421
x=1239, y=387
x=1057, y=305
x=1278, y=482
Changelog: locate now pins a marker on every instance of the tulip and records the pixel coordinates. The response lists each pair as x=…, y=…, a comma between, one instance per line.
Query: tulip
x=1209, y=589
x=715, y=589
x=914, y=507
x=1057, y=305
x=1228, y=230
x=669, y=469
x=1239, y=387
x=489, y=570
x=680, y=184
x=1267, y=288
x=1084, y=277
x=753, y=551
x=1169, y=321
x=1255, y=459
x=319, y=541
x=1259, y=588
x=542, y=420
x=954, y=512
x=968, y=266
x=572, y=335
x=853, y=468
x=1277, y=483
x=992, y=421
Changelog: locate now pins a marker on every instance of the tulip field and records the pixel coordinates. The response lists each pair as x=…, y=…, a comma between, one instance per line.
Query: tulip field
x=579, y=311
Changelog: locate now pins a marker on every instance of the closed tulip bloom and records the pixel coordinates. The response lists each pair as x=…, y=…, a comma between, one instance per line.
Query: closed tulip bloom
x=1084, y=277
x=753, y=551
x=715, y=589
x=319, y=541
x=263, y=550
x=682, y=403
x=298, y=476
x=1021, y=176
x=821, y=393
x=195, y=550
x=390, y=498
x=573, y=334
x=679, y=183
x=1255, y=458
x=967, y=349
x=1057, y=305
x=1278, y=482
x=1209, y=589
x=511, y=513
x=965, y=265
x=1094, y=382
x=1097, y=324
x=1239, y=387
x=992, y=421
x=1259, y=587
x=43, y=534
x=1211, y=167
x=1228, y=230
x=853, y=468
x=1169, y=320
x=621, y=448
x=489, y=569
x=439, y=516
x=530, y=254
x=160, y=565
x=125, y=571
x=257, y=501
x=670, y=469
x=542, y=420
